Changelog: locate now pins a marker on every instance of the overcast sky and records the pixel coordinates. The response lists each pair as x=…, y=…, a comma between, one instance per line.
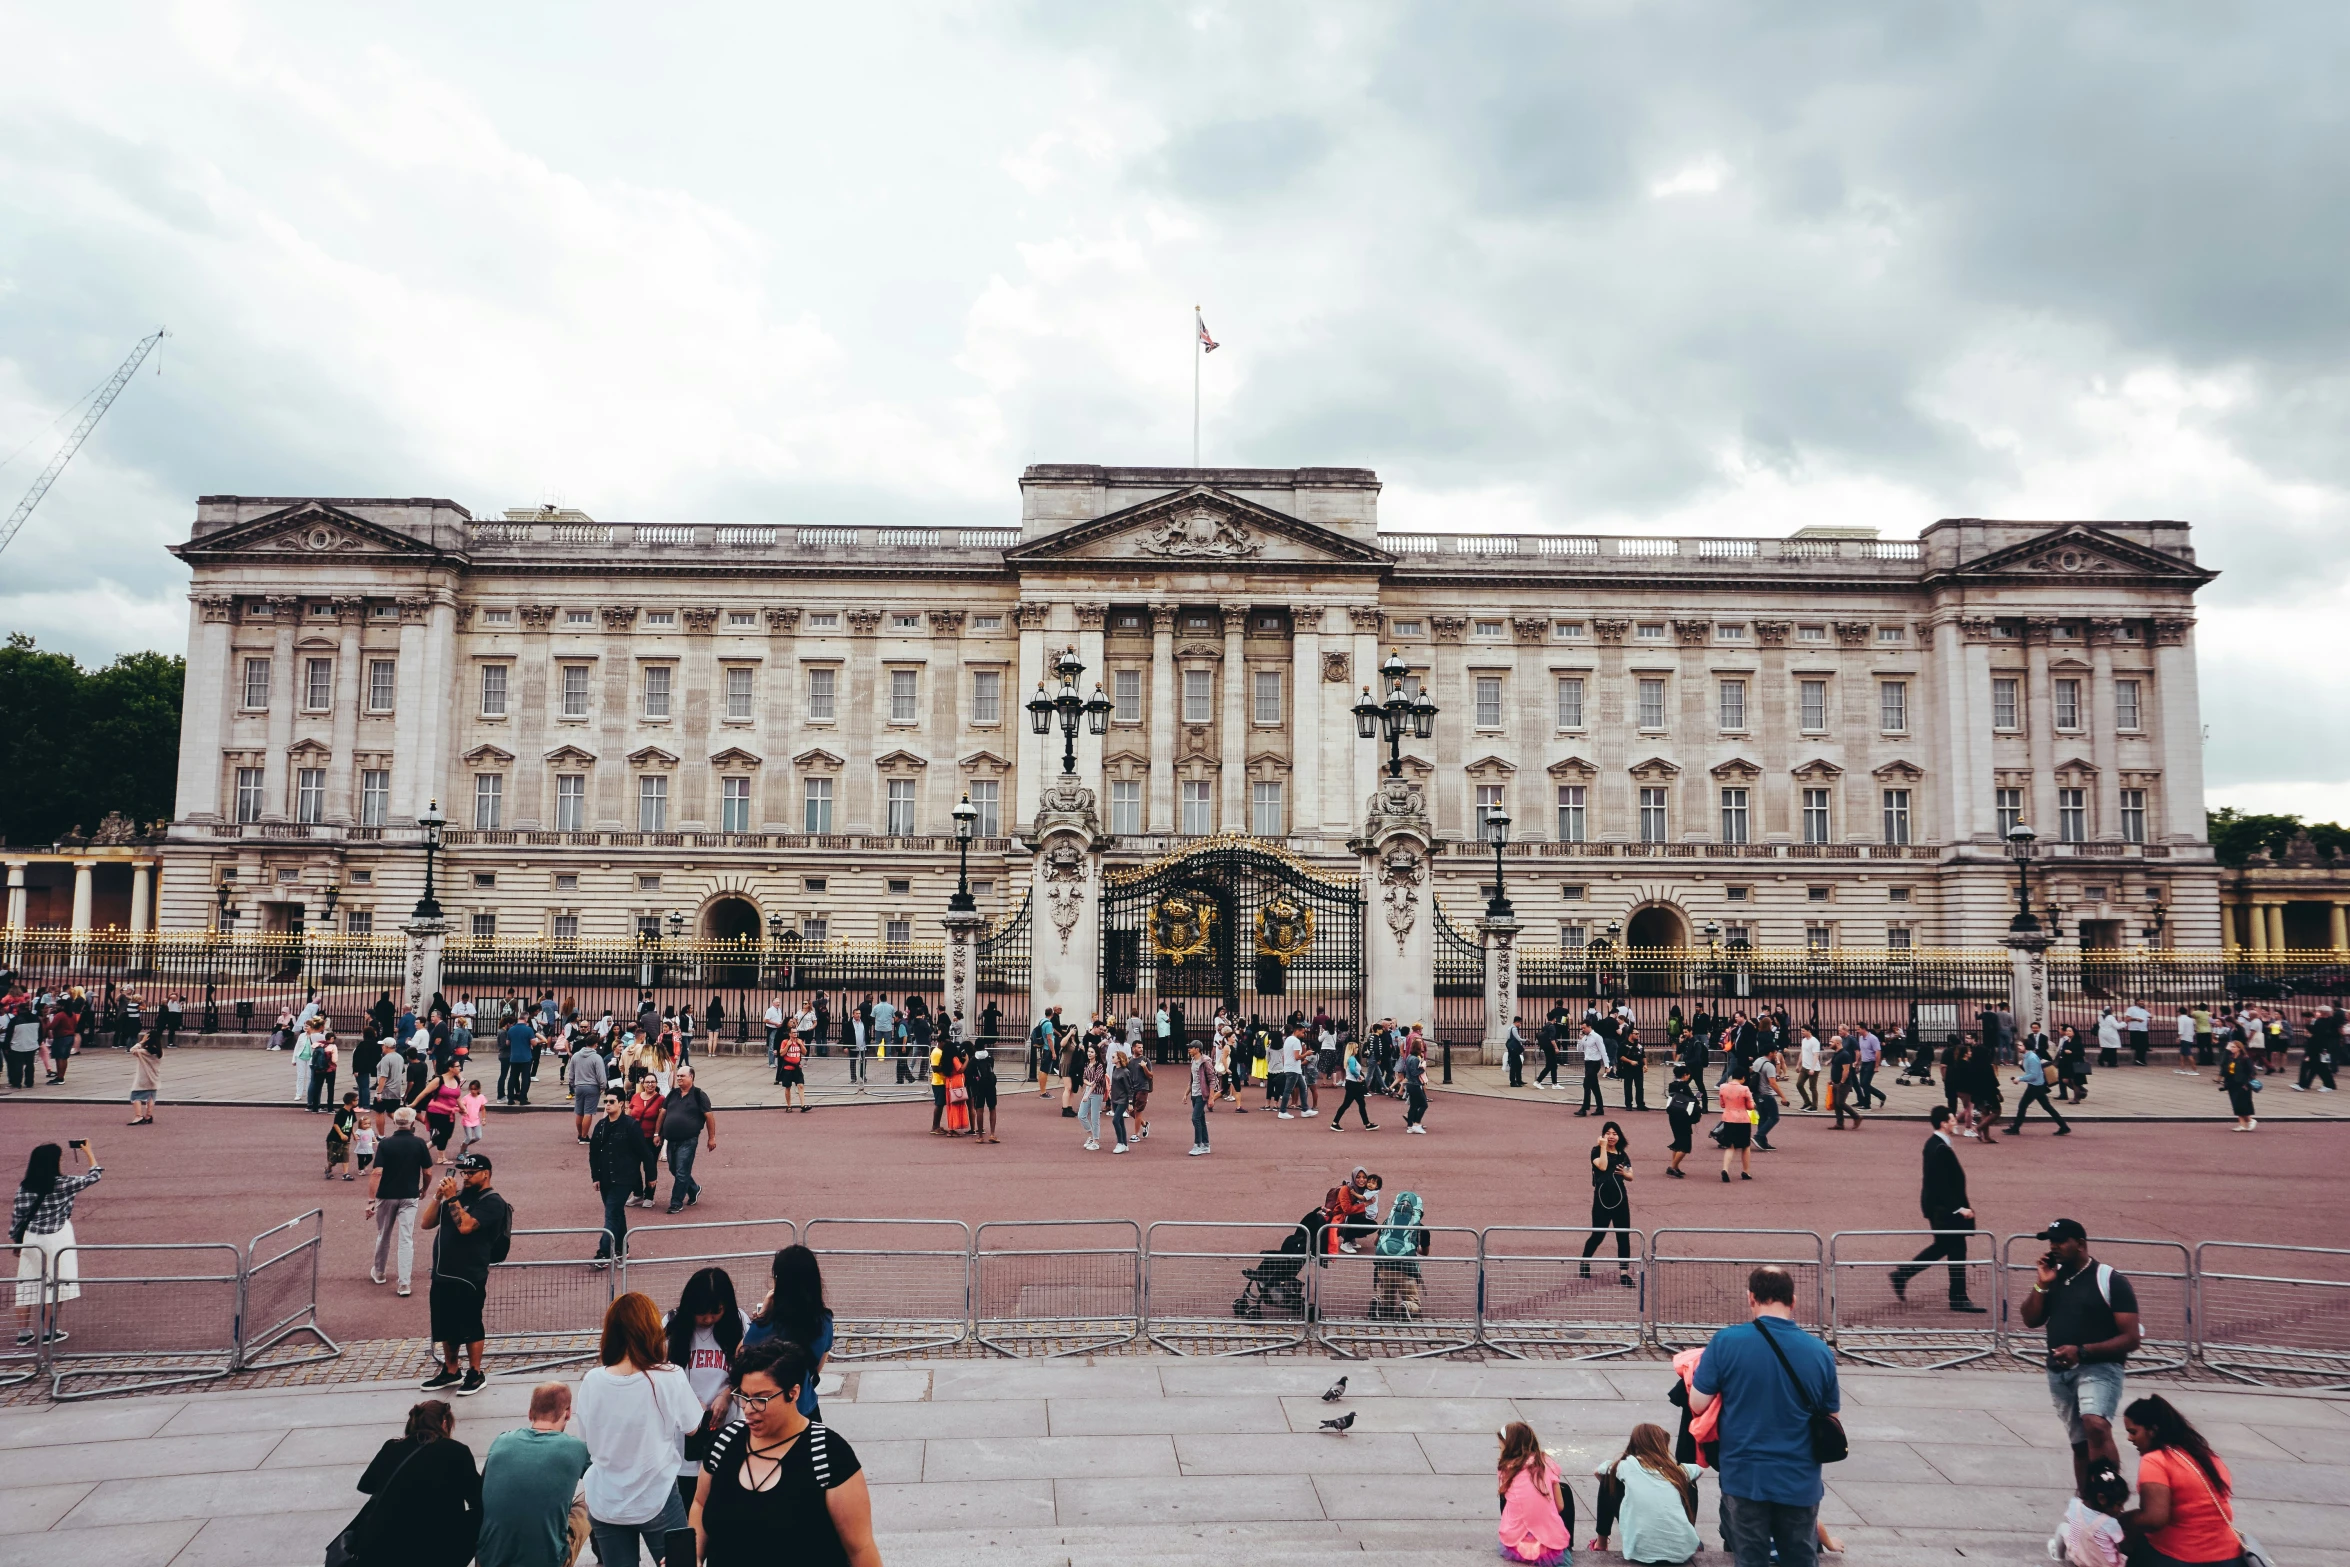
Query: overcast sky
x=1590, y=266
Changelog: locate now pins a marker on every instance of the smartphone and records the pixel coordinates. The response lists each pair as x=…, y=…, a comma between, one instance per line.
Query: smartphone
x=82, y=1143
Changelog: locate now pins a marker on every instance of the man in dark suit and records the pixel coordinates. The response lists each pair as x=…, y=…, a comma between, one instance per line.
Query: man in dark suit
x=1943, y=1199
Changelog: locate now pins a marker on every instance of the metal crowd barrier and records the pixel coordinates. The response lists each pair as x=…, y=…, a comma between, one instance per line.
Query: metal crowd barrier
x=2273, y=1309
x=140, y=1317
x=661, y=1257
x=1693, y=1294
x=281, y=1294
x=1538, y=1289
x=1884, y=1309
x=1224, y=1289
x=545, y=1303
x=2161, y=1275
x=889, y=1300
x=1410, y=1306
x=21, y=1358
x=1073, y=1297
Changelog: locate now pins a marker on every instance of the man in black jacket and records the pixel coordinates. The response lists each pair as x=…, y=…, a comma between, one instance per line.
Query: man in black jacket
x=617, y=1155
x=1943, y=1199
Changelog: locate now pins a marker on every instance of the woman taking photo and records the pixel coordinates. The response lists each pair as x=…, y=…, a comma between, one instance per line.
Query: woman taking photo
x=423, y=1497
x=1611, y=1200
x=42, y=1227
x=705, y=1333
x=775, y=1476
x=794, y=1309
x=2184, y=1513
x=634, y=1412
x=1089, y=1099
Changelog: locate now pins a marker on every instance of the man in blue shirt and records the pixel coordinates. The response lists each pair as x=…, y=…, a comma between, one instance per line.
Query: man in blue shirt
x=520, y=1050
x=2034, y=1068
x=1770, y=1482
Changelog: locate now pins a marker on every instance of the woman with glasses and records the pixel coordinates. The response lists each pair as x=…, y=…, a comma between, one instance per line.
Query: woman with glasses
x=774, y=1475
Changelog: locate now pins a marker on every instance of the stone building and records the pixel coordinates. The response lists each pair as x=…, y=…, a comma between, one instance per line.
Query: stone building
x=1809, y=740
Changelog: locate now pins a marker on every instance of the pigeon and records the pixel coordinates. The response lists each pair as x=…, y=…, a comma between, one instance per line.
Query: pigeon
x=1340, y=1424
x=1337, y=1392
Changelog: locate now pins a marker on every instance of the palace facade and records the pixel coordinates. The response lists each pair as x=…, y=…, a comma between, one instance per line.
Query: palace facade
x=1811, y=740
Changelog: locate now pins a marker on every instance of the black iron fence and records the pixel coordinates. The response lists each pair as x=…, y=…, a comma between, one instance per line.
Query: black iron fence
x=226, y=984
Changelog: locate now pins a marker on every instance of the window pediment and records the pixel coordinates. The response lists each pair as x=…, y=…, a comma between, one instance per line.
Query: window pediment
x=1737, y=769
x=1899, y=772
x=818, y=761
x=484, y=753
x=652, y=756
x=571, y=754
x=1572, y=767
x=735, y=756
x=900, y=762
x=1819, y=770
x=1656, y=770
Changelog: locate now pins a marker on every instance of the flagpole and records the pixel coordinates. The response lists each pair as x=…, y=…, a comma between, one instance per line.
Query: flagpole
x=1195, y=359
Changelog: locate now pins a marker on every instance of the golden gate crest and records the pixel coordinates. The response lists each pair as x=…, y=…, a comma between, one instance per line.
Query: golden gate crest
x=1183, y=928
x=1285, y=928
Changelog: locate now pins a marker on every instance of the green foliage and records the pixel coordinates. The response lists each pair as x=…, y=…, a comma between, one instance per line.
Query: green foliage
x=77, y=743
x=2237, y=835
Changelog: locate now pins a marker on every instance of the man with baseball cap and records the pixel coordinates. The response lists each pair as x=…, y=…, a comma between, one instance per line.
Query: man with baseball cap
x=2091, y=1315
x=479, y=1231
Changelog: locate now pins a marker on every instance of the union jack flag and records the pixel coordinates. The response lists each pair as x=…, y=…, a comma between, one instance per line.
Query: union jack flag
x=1206, y=342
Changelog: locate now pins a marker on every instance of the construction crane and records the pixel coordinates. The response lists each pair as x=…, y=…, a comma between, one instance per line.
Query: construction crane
x=81, y=432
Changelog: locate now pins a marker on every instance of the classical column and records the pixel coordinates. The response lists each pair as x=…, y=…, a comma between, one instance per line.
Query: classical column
x=425, y=940
x=2256, y=918
x=1065, y=897
x=962, y=987
x=1162, y=727
x=2337, y=929
x=2104, y=747
x=782, y=733
x=81, y=894
x=2182, y=729
x=284, y=694
x=1305, y=721
x=1036, y=758
x=1501, y=986
x=342, y=776
x=1535, y=704
x=860, y=714
x=2276, y=928
x=942, y=781
x=16, y=894
x=142, y=894
x=1232, y=761
x=1396, y=850
x=1090, y=748
x=409, y=780
x=1363, y=622
x=2040, y=698
x=2027, y=987
x=204, y=709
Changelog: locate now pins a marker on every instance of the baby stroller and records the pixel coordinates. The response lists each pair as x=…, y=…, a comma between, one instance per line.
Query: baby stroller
x=1276, y=1280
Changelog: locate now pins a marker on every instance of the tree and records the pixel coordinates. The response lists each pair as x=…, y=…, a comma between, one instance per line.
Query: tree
x=2237, y=835
x=76, y=743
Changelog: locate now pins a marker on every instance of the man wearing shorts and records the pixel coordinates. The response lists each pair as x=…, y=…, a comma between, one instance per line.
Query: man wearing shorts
x=477, y=1232
x=585, y=1078
x=2091, y=1315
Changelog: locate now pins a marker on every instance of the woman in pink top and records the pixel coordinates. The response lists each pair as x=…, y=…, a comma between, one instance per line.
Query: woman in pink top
x=1535, y=1524
x=1736, y=1133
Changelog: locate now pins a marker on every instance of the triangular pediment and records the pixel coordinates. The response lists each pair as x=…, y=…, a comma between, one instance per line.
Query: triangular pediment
x=1492, y=766
x=819, y=758
x=1572, y=767
x=979, y=761
x=1737, y=767
x=570, y=753
x=1906, y=772
x=307, y=528
x=1819, y=767
x=1198, y=525
x=900, y=759
x=735, y=756
x=2081, y=550
x=487, y=753
x=1656, y=767
x=652, y=756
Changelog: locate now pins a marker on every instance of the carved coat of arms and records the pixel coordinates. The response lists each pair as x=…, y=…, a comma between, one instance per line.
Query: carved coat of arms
x=1183, y=928
x=1285, y=928
x=1199, y=533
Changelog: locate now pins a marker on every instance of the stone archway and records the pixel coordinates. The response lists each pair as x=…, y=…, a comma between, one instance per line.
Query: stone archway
x=1658, y=925
x=730, y=919
x=1648, y=934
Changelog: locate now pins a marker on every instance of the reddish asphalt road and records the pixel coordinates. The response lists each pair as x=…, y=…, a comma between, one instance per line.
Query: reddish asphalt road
x=229, y=1173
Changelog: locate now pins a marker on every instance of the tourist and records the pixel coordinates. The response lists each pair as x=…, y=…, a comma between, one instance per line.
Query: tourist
x=1357, y=1086
x=1762, y=1080
x=1870, y=1051
x=2090, y=1313
x=645, y=1108
x=479, y=1230
x=146, y=1080
x=41, y=1228
x=363, y=1142
x=1201, y=1077
x=1735, y=1131
x=950, y=1052
x=2033, y=1072
x=517, y=1053
x=2321, y=1042
x=794, y=1309
x=1981, y=1069
x=2238, y=1079
x=616, y=1161
x=2109, y=1038
x=1088, y=1076
x=2183, y=1513
x=1139, y=1101
x=2200, y=1018
x=1513, y=1054
x=424, y=1503
x=391, y=1086
x=2136, y=1020
x=1548, y=1039
x=57, y=1041
x=340, y=1130
x=2072, y=1066
x=1942, y=1198
x=1593, y=1048
x=704, y=1334
x=1844, y=1079
x=979, y=1082
x=685, y=1116
x=1652, y=1497
x=470, y=1105
x=2186, y=1027
x=1537, y=1509
x=791, y=1071
x=528, y=1479
x=1611, y=1199
x=401, y=1163
x=1772, y=1377
x=1415, y=1085
x=2090, y=1534
x=1119, y=1090
x=1681, y=1115
x=776, y=1475
x=634, y=1411
x=437, y=1102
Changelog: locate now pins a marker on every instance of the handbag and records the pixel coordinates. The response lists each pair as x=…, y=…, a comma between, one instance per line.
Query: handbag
x=342, y=1550
x=1828, y=1444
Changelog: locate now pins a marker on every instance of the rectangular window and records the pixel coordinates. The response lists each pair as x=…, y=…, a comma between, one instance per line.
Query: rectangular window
x=741, y=617
x=567, y=881
x=1897, y=816
x=485, y=927
x=1264, y=810
x=485, y=878
x=1199, y=696
x=1815, y=704
x=1893, y=705
x=816, y=804
x=1733, y=704
x=489, y=800
x=987, y=622
x=256, y=682
x=648, y=884
x=1816, y=822
x=1571, y=938
x=2003, y=703
x=579, y=617
x=987, y=801
x=1652, y=816
x=2133, y=816
x=661, y=619
x=1199, y=808
x=1730, y=633
x=564, y=927
x=1268, y=696
x=987, y=696
x=575, y=690
x=1570, y=701
x=734, y=805
x=570, y=802
x=2010, y=803
x=318, y=684
x=1491, y=628
x=1571, y=816
x=383, y=684
x=657, y=690
x=310, y=795
x=1488, y=801
x=1815, y=894
x=904, y=688
x=1816, y=937
x=1126, y=807
x=1652, y=704
x=1650, y=631
x=375, y=796
x=493, y=690
x=2068, y=704
x=1733, y=816
x=1126, y=695
x=820, y=693
x=652, y=803
x=2125, y=704
x=1489, y=701
x=825, y=620
x=905, y=622
x=812, y=928
x=898, y=933
x=2072, y=815
x=1567, y=630
x=1811, y=633
x=497, y=617
x=738, y=693
x=1404, y=628
x=1889, y=633
x=1897, y=938
x=900, y=804
x=359, y=922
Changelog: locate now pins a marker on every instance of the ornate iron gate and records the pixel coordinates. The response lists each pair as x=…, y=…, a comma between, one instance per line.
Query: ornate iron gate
x=1231, y=922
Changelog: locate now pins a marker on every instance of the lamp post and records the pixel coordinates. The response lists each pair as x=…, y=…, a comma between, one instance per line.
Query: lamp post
x=1095, y=710
x=1398, y=715
x=966, y=817
x=224, y=920
x=1713, y=954
x=2020, y=842
x=1497, y=833
x=432, y=821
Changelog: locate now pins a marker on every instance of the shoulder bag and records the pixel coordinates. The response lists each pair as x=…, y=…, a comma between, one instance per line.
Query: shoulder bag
x=343, y=1549
x=1828, y=1445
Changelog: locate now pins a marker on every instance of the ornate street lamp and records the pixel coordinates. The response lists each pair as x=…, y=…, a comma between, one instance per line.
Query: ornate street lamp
x=966, y=817
x=676, y=925
x=1094, y=710
x=2020, y=842
x=1713, y=951
x=1497, y=833
x=1398, y=715
x=432, y=821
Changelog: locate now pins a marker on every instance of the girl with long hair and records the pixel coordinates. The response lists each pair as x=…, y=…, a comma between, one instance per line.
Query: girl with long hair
x=1537, y=1509
x=794, y=1309
x=41, y=1227
x=2185, y=1512
x=634, y=1412
x=704, y=1333
x=1654, y=1498
x=1611, y=1199
x=424, y=1497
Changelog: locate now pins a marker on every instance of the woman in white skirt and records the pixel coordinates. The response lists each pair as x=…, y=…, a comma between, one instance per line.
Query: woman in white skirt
x=42, y=1227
